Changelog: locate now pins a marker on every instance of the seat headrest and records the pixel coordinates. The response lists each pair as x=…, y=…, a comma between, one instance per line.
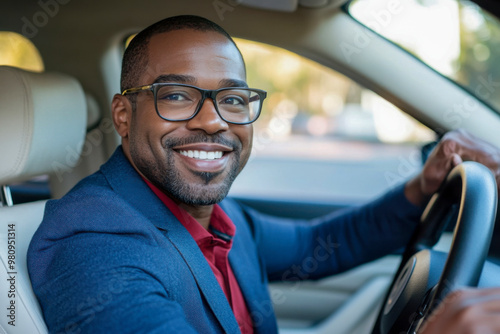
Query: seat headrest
x=43, y=119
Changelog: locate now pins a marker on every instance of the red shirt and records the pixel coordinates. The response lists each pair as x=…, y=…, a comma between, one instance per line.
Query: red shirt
x=215, y=246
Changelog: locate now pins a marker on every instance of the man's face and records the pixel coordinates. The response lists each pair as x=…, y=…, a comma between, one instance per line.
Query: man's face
x=161, y=149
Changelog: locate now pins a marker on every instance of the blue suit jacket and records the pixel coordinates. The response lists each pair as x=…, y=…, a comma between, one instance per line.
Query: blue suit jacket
x=109, y=257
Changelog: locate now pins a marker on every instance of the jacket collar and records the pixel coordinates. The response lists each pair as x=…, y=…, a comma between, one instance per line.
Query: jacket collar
x=126, y=182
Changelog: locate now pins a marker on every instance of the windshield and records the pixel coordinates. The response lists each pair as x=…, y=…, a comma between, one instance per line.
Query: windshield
x=456, y=38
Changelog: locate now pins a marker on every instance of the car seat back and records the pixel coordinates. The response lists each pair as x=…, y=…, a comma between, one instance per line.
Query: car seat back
x=42, y=125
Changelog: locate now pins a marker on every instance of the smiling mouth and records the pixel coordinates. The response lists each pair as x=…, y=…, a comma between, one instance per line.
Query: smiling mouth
x=202, y=155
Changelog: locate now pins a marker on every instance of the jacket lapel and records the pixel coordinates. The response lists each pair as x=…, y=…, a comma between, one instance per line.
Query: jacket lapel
x=246, y=267
x=203, y=275
x=125, y=180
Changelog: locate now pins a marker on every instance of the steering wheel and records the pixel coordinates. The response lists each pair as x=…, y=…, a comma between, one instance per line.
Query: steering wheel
x=425, y=276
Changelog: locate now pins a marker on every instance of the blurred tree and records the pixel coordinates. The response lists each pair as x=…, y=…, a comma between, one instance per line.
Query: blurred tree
x=478, y=66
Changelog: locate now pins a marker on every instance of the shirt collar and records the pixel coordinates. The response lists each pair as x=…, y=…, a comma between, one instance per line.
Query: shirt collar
x=221, y=226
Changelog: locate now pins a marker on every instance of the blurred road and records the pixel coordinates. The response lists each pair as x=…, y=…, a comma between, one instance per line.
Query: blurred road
x=319, y=169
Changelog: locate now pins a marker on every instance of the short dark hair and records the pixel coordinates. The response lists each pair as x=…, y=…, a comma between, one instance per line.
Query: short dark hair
x=135, y=58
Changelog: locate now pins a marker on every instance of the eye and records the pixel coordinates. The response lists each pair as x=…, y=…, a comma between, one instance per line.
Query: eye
x=174, y=97
x=177, y=94
x=233, y=100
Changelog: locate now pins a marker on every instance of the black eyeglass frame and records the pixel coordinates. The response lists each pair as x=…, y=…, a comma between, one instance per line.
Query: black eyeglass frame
x=204, y=94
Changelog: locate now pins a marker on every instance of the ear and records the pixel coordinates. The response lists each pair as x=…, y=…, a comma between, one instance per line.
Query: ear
x=121, y=111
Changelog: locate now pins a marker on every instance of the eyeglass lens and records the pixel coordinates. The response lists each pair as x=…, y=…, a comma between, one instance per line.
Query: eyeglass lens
x=234, y=105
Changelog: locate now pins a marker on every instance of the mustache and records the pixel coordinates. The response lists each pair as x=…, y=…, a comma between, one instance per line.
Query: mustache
x=217, y=138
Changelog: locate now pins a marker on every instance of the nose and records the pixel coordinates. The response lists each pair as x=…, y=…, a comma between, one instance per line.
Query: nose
x=207, y=119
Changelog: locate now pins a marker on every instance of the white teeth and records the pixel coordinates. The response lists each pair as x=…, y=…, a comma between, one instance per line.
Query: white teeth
x=203, y=155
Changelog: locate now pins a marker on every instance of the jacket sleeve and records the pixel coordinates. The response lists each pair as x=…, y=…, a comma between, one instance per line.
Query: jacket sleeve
x=94, y=289
x=95, y=278
x=310, y=249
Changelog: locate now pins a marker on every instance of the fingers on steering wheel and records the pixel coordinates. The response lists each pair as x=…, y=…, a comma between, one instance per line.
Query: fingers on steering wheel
x=455, y=160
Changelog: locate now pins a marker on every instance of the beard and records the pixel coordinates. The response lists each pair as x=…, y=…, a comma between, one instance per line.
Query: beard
x=167, y=177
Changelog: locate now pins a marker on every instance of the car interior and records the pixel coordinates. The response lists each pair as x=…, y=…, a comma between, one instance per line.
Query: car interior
x=55, y=129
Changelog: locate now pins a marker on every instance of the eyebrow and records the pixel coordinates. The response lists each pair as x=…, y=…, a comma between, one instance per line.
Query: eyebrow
x=178, y=78
x=190, y=80
x=232, y=83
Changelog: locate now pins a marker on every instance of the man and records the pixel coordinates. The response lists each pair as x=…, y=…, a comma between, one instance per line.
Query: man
x=142, y=246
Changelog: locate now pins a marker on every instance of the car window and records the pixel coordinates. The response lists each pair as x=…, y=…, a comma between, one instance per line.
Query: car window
x=322, y=133
x=456, y=38
x=16, y=50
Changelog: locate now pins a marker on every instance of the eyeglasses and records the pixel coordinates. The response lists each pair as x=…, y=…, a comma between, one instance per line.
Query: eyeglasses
x=179, y=102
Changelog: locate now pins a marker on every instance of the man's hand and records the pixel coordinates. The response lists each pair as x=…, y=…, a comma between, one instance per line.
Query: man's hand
x=466, y=312
x=472, y=310
x=455, y=147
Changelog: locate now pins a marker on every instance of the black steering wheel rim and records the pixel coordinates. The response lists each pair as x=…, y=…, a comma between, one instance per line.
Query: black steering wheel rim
x=426, y=276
